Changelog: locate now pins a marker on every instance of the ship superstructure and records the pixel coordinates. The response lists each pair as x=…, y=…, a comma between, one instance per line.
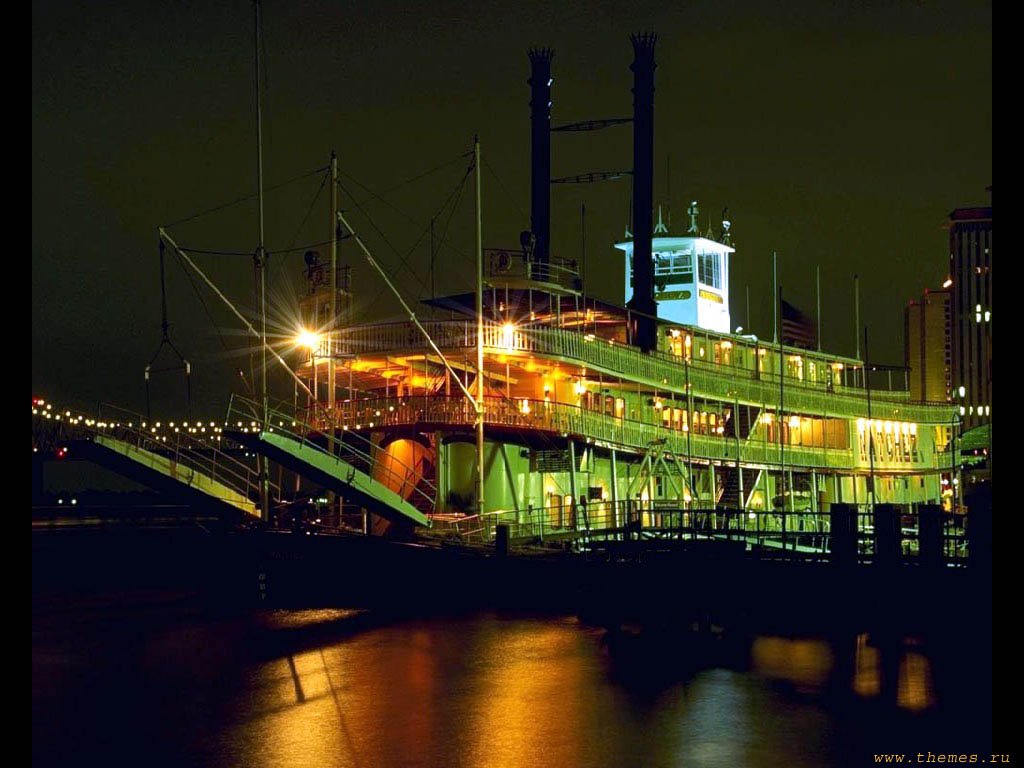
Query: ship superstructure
x=598, y=415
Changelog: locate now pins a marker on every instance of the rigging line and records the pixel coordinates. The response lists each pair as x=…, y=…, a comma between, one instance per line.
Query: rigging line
x=379, y=195
x=404, y=259
x=451, y=214
x=436, y=168
x=243, y=199
x=221, y=253
x=377, y=229
x=456, y=194
x=277, y=266
x=202, y=301
x=252, y=331
x=393, y=206
x=504, y=189
x=274, y=251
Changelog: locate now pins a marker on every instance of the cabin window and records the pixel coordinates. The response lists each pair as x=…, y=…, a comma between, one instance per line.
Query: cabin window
x=675, y=343
x=723, y=352
x=836, y=374
x=795, y=367
x=620, y=407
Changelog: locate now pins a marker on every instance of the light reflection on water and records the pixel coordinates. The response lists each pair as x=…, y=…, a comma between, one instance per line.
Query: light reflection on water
x=337, y=688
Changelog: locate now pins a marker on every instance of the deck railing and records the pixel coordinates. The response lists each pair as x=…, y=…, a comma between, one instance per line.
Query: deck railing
x=562, y=419
x=774, y=533
x=656, y=369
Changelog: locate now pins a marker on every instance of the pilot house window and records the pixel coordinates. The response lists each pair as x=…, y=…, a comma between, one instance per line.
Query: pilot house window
x=708, y=270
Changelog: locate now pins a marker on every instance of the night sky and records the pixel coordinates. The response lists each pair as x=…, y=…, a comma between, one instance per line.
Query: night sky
x=839, y=136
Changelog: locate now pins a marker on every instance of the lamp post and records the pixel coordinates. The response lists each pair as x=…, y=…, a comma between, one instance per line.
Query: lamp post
x=954, y=437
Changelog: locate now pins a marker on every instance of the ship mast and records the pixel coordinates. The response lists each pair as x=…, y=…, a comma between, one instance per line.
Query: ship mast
x=479, y=336
x=260, y=264
x=334, y=283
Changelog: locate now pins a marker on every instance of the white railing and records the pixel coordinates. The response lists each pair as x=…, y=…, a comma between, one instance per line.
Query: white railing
x=658, y=369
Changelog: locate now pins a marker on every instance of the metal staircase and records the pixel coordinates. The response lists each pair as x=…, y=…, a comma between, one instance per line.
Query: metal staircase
x=349, y=465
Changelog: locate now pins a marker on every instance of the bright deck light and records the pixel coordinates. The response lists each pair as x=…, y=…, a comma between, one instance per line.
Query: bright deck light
x=307, y=339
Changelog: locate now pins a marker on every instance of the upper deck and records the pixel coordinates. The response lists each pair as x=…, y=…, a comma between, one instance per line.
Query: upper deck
x=695, y=361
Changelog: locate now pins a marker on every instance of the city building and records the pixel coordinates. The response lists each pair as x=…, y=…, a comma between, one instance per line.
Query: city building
x=928, y=341
x=970, y=269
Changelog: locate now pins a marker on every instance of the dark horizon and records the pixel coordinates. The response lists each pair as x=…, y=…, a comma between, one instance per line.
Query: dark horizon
x=839, y=137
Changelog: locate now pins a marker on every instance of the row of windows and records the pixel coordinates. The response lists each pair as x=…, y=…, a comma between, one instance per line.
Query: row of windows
x=704, y=422
x=807, y=432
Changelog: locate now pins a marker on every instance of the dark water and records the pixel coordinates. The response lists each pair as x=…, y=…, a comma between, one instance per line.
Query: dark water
x=154, y=679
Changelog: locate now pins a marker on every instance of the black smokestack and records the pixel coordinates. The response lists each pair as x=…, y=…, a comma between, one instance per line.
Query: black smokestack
x=540, y=132
x=645, y=326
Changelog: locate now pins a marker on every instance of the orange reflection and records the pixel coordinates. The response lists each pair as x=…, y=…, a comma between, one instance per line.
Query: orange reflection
x=914, y=690
x=804, y=662
x=867, y=675
x=531, y=681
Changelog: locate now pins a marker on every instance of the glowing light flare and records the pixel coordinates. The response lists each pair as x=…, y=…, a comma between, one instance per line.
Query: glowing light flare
x=308, y=339
x=508, y=336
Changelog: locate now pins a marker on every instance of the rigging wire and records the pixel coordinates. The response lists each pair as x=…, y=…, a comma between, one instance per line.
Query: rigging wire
x=244, y=199
x=457, y=195
x=323, y=169
x=504, y=189
x=309, y=211
x=436, y=168
x=202, y=301
x=403, y=258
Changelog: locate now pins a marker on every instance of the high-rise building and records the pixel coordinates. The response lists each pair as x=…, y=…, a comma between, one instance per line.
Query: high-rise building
x=929, y=346
x=970, y=268
x=797, y=328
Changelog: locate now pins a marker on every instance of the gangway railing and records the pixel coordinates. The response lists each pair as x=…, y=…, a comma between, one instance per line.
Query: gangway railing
x=206, y=457
x=208, y=453
x=353, y=448
x=778, y=534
